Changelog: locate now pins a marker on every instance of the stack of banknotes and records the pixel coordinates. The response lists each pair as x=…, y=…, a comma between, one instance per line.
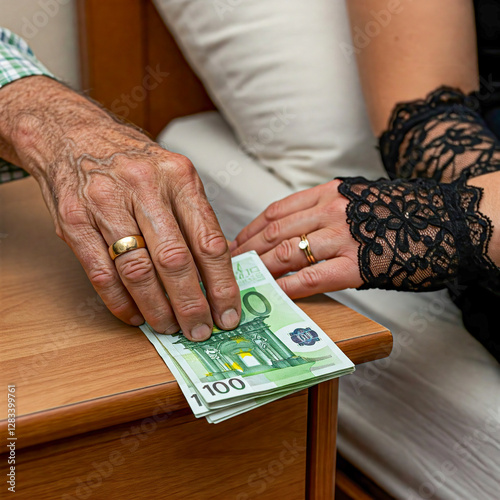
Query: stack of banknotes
x=276, y=350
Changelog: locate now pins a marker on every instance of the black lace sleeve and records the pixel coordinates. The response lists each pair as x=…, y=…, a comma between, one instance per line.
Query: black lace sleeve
x=440, y=138
x=418, y=235
x=423, y=230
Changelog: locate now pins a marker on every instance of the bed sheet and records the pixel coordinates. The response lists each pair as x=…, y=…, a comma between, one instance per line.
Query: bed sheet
x=423, y=423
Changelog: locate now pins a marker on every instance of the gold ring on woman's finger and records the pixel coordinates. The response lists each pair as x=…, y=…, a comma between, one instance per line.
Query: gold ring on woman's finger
x=304, y=245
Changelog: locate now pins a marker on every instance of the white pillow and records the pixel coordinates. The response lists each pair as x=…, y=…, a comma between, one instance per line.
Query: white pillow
x=279, y=72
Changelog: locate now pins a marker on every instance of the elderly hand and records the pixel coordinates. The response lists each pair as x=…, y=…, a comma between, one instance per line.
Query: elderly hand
x=103, y=181
x=319, y=213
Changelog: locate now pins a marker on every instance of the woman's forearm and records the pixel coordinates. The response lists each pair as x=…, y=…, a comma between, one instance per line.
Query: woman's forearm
x=416, y=72
x=490, y=207
x=406, y=49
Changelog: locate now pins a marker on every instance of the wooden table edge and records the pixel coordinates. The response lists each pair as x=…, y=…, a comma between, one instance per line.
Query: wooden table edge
x=367, y=347
x=67, y=420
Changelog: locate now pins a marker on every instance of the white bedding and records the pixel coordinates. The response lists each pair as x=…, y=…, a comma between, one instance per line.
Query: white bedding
x=423, y=423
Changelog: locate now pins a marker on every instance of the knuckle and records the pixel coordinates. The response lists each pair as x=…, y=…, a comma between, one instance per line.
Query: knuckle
x=285, y=286
x=184, y=173
x=138, y=269
x=332, y=208
x=333, y=185
x=192, y=308
x=339, y=205
x=284, y=252
x=273, y=211
x=119, y=305
x=225, y=291
x=327, y=211
x=184, y=182
x=309, y=278
x=173, y=258
x=100, y=190
x=72, y=213
x=102, y=278
x=140, y=174
x=212, y=244
x=159, y=317
x=183, y=163
x=346, y=265
x=272, y=231
x=334, y=234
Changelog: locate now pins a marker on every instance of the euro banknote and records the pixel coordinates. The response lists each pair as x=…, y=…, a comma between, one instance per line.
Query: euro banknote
x=275, y=351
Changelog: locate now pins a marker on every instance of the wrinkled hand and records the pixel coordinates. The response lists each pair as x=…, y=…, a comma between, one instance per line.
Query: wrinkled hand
x=139, y=188
x=103, y=181
x=319, y=213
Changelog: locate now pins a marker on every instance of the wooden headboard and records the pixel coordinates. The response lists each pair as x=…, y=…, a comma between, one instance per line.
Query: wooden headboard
x=132, y=65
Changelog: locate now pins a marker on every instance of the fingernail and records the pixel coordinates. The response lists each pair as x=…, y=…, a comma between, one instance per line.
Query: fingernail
x=229, y=319
x=201, y=332
x=137, y=320
x=172, y=329
x=233, y=245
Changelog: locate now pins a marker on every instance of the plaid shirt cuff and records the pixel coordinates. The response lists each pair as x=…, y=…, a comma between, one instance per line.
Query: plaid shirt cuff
x=16, y=61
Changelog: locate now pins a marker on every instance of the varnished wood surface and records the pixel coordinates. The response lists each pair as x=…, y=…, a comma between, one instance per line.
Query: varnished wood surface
x=138, y=72
x=112, y=36
x=322, y=440
x=65, y=351
x=261, y=454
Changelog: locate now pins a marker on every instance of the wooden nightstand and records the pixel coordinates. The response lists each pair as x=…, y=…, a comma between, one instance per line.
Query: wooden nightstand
x=100, y=416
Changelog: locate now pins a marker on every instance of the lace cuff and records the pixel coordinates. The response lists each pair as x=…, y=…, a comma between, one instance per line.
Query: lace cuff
x=418, y=235
x=439, y=138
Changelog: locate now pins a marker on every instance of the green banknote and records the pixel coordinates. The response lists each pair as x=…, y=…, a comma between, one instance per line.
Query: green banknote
x=219, y=411
x=276, y=349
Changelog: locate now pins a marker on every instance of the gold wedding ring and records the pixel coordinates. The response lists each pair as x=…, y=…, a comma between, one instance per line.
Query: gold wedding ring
x=304, y=245
x=126, y=244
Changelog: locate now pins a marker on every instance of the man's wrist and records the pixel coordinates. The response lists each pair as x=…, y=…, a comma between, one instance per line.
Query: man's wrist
x=43, y=117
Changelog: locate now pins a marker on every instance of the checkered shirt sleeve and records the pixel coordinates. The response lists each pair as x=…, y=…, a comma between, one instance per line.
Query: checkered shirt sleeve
x=16, y=61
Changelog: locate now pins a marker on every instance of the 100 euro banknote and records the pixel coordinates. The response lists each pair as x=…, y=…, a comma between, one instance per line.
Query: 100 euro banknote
x=275, y=347
x=219, y=411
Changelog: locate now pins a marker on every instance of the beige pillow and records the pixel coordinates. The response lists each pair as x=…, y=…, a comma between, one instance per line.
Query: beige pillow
x=279, y=72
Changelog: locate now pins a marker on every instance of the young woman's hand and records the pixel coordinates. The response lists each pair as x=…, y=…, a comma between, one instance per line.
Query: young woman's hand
x=320, y=214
